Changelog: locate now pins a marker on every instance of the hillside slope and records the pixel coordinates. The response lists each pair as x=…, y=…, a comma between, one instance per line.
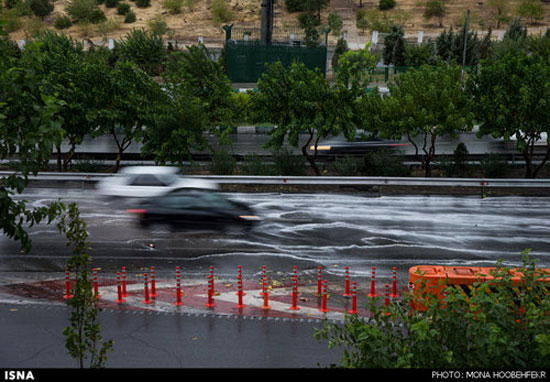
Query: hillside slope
x=195, y=22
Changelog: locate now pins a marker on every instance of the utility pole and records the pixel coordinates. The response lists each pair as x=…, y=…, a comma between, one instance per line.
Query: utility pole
x=465, y=44
x=267, y=22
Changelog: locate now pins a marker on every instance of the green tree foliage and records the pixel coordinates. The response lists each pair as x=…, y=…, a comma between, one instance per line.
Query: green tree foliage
x=512, y=95
x=129, y=99
x=83, y=338
x=41, y=8
x=435, y=8
x=394, y=47
x=298, y=100
x=450, y=46
x=144, y=49
x=29, y=129
x=425, y=104
x=85, y=10
x=501, y=324
x=420, y=54
x=531, y=10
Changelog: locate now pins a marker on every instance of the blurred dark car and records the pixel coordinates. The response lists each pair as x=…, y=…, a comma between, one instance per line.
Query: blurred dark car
x=361, y=144
x=196, y=209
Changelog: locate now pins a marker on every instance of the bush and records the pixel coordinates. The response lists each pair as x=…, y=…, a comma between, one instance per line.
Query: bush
x=157, y=26
x=41, y=8
x=253, y=164
x=221, y=12
x=385, y=5
x=385, y=163
x=85, y=10
x=286, y=163
x=493, y=166
x=500, y=323
x=173, y=6
x=111, y=3
x=348, y=165
x=295, y=5
x=122, y=8
x=130, y=17
x=335, y=23
x=143, y=3
x=63, y=22
x=223, y=163
x=144, y=49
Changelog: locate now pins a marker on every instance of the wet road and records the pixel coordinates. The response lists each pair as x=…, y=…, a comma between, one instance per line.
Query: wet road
x=306, y=231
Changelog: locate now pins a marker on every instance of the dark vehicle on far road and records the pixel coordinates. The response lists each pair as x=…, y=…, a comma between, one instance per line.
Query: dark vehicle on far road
x=361, y=144
x=196, y=209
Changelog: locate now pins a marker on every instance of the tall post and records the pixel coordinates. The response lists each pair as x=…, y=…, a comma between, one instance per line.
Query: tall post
x=465, y=44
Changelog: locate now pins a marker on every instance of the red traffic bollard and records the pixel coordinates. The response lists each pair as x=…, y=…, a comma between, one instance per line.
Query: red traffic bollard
x=353, y=309
x=319, y=282
x=372, y=283
x=96, y=285
x=146, y=290
x=295, y=295
x=124, y=292
x=387, y=301
x=324, y=308
x=68, y=293
x=119, y=300
x=240, y=292
x=394, y=282
x=210, y=303
x=178, y=288
x=347, y=292
x=153, y=283
x=265, y=306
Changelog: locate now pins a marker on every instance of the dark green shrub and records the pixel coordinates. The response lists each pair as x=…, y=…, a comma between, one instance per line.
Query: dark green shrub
x=385, y=163
x=222, y=163
x=493, y=166
x=385, y=5
x=295, y=5
x=85, y=10
x=111, y=3
x=122, y=8
x=499, y=324
x=130, y=17
x=254, y=164
x=286, y=163
x=348, y=165
x=143, y=3
x=63, y=22
x=41, y=8
x=144, y=49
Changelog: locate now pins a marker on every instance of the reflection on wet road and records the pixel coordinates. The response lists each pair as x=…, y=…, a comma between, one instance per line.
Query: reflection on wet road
x=305, y=230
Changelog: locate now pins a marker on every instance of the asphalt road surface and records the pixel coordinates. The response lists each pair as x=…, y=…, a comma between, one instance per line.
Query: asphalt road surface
x=306, y=231
x=299, y=232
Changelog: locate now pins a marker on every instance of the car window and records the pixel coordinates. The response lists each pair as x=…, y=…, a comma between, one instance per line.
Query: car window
x=147, y=180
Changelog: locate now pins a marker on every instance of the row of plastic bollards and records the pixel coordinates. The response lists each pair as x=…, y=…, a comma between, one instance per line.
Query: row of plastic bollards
x=322, y=288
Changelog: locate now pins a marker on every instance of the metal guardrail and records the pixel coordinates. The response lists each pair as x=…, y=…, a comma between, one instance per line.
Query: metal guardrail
x=318, y=180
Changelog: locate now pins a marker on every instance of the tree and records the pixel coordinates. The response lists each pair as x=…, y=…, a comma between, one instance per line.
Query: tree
x=512, y=97
x=298, y=100
x=531, y=10
x=396, y=38
x=41, y=8
x=130, y=96
x=435, y=8
x=502, y=323
x=426, y=103
x=205, y=79
x=29, y=129
x=83, y=337
x=177, y=127
x=144, y=49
